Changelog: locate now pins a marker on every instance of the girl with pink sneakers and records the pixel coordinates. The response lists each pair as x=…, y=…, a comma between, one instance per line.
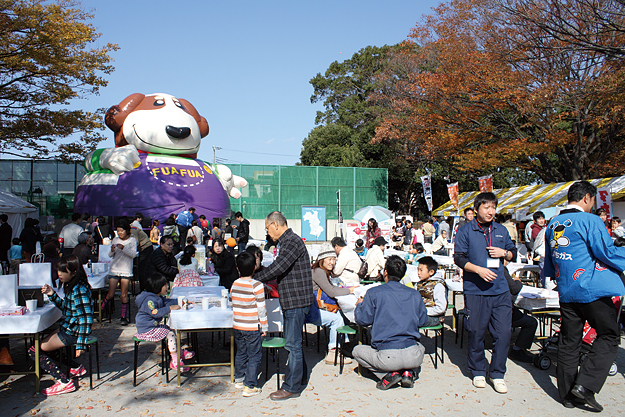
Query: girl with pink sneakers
x=74, y=329
x=153, y=306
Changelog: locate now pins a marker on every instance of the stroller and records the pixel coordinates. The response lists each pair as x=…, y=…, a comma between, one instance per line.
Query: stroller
x=543, y=359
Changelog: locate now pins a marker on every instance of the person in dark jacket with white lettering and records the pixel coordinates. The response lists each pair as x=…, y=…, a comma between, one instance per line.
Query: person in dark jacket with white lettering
x=395, y=313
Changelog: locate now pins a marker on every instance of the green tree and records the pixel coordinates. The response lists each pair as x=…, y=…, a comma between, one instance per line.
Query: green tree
x=46, y=60
x=347, y=125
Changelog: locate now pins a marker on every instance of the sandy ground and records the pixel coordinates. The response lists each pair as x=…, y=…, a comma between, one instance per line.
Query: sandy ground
x=443, y=391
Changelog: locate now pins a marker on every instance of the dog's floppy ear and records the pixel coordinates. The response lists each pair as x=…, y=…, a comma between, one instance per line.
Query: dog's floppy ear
x=201, y=121
x=116, y=115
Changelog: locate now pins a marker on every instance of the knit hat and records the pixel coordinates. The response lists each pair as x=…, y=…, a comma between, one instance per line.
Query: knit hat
x=326, y=251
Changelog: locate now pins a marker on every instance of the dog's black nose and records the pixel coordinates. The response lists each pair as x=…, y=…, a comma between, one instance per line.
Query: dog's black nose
x=178, y=132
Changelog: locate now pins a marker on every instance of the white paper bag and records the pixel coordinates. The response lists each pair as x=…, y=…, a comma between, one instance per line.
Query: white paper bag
x=35, y=275
x=103, y=254
x=8, y=295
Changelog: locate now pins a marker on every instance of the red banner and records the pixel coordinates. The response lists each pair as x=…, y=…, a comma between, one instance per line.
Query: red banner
x=486, y=183
x=452, y=190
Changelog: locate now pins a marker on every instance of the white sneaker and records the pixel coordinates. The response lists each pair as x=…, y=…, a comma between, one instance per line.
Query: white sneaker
x=479, y=381
x=239, y=385
x=250, y=392
x=499, y=385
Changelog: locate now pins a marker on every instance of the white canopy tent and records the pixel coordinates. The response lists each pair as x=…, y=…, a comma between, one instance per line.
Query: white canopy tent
x=18, y=211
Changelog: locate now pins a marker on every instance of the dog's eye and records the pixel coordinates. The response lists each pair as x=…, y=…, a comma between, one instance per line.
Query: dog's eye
x=178, y=103
x=159, y=102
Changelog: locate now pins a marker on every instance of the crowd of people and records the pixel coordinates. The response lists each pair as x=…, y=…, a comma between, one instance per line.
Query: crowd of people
x=575, y=249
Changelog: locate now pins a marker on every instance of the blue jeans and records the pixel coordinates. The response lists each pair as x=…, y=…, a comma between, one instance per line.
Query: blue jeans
x=296, y=370
x=249, y=356
x=333, y=321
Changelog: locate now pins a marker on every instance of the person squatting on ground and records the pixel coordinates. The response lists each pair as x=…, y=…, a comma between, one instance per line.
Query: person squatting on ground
x=395, y=313
x=481, y=246
x=250, y=324
x=123, y=251
x=152, y=306
x=582, y=258
x=74, y=329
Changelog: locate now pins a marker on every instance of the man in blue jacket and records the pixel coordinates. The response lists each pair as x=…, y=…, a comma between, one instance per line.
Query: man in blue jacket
x=585, y=263
x=395, y=313
x=480, y=248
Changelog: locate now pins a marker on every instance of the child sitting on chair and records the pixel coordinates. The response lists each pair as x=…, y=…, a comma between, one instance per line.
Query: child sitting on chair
x=432, y=290
x=250, y=323
x=153, y=306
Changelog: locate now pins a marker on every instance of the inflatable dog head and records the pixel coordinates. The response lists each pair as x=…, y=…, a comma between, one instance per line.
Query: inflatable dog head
x=157, y=123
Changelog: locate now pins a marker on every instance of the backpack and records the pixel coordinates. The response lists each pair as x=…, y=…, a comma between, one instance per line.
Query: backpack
x=324, y=302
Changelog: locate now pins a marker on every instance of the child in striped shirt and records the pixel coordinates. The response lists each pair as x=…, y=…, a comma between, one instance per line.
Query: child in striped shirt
x=250, y=323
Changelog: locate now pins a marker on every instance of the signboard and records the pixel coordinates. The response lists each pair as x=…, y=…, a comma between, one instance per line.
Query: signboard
x=426, y=181
x=314, y=223
x=486, y=183
x=604, y=201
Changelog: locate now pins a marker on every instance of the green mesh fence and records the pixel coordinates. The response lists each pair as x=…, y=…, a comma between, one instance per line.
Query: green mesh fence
x=51, y=186
x=288, y=188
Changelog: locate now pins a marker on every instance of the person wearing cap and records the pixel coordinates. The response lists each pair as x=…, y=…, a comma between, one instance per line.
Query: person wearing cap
x=330, y=315
x=375, y=258
x=84, y=249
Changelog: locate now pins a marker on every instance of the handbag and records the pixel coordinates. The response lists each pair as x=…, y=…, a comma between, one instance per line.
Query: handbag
x=362, y=272
x=325, y=302
x=30, y=294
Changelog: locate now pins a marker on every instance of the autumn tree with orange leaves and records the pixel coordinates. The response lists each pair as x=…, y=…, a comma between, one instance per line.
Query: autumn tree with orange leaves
x=493, y=85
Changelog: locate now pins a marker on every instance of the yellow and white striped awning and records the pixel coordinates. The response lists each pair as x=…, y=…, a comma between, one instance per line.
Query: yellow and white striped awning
x=534, y=197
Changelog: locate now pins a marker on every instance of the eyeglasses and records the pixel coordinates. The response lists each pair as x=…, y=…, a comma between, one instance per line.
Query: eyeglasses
x=167, y=244
x=267, y=227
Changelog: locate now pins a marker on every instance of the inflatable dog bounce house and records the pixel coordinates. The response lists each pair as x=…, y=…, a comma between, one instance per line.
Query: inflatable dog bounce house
x=154, y=167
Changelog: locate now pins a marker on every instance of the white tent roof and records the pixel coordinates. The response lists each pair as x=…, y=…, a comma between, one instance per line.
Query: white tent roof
x=10, y=203
x=533, y=197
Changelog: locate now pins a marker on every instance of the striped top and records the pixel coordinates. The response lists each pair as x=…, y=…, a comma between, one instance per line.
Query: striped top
x=248, y=305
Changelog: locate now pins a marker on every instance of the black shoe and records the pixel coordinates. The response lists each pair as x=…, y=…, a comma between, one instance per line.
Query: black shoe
x=124, y=321
x=390, y=379
x=586, y=395
x=407, y=379
x=521, y=355
x=576, y=402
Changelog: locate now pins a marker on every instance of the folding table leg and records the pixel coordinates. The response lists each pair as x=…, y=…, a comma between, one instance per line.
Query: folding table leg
x=37, y=369
x=179, y=355
x=231, y=355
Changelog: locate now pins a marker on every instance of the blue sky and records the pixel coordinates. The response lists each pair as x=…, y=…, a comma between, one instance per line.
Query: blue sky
x=245, y=65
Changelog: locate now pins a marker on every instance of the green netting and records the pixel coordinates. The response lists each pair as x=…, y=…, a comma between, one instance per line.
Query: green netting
x=288, y=188
x=271, y=187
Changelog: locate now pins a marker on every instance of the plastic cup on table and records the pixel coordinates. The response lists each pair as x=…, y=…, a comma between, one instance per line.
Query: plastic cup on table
x=205, y=303
x=31, y=305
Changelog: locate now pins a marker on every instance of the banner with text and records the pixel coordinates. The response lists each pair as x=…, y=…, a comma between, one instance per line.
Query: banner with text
x=426, y=181
x=604, y=200
x=452, y=190
x=486, y=184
